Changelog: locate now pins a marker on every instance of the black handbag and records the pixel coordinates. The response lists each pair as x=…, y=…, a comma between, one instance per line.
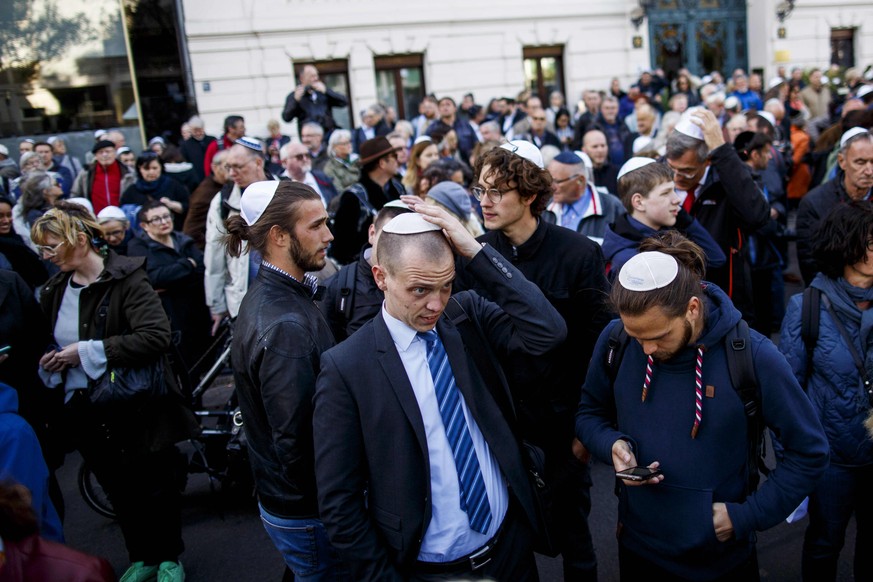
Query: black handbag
x=121, y=385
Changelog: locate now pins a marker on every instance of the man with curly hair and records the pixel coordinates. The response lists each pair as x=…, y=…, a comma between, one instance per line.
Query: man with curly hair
x=513, y=189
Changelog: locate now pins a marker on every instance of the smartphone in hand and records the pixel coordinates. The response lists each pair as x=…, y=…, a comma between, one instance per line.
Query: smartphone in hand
x=638, y=474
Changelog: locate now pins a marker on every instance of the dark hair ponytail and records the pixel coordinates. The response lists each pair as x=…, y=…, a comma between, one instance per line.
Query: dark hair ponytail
x=237, y=235
x=673, y=298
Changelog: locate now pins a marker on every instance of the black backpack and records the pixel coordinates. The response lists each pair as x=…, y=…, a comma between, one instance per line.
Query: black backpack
x=345, y=299
x=741, y=368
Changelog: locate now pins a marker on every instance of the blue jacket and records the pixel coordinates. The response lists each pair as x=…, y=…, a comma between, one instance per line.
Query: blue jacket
x=623, y=238
x=670, y=523
x=833, y=386
x=21, y=461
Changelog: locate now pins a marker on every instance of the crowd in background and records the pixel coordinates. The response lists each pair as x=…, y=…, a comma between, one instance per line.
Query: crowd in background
x=799, y=143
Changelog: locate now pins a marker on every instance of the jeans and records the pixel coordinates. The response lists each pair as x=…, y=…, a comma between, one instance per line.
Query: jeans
x=305, y=548
x=842, y=491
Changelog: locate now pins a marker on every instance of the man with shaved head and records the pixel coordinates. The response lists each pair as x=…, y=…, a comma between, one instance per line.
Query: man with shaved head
x=413, y=414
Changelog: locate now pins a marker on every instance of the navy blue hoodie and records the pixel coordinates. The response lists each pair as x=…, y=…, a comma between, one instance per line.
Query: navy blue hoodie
x=670, y=523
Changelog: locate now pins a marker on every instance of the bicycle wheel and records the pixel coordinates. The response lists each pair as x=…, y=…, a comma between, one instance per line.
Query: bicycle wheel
x=93, y=494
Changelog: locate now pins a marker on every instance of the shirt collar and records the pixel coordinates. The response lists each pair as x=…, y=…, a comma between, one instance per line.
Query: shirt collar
x=402, y=334
x=308, y=280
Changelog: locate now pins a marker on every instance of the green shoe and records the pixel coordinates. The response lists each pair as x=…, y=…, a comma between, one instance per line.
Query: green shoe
x=171, y=572
x=139, y=572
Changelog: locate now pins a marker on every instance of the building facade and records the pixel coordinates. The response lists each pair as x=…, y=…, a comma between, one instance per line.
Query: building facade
x=221, y=57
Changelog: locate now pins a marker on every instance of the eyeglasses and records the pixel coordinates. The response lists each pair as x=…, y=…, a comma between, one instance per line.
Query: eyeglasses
x=302, y=157
x=48, y=250
x=538, y=118
x=682, y=174
x=870, y=245
x=494, y=195
x=565, y=180
x=160, y=219
x=344, y=142
x=114, y=233
x=236, y=167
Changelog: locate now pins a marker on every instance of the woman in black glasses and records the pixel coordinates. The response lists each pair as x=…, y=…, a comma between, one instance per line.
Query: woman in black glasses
x=153, y=184
x=175, y=268
x=827, y=336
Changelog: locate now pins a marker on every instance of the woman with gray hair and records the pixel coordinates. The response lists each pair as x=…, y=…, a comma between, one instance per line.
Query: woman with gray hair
x=39, y=192
x=340, y=167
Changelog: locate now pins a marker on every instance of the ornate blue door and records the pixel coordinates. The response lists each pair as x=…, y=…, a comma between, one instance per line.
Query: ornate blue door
x=702, y=35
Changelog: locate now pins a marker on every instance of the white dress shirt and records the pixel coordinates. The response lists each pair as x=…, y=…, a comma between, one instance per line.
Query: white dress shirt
x=448, y=536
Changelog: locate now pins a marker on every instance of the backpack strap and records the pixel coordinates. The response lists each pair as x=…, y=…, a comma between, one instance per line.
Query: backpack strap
x=741, y=368
x=810, y=315
x=368, y=211
x=345, y=300
x=616, y=346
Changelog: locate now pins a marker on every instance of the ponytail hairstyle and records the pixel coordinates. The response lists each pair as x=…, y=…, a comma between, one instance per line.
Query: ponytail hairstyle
x=673, y=298
x=281, y=211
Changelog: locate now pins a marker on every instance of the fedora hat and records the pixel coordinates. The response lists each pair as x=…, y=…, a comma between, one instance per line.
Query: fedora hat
x=374, y=149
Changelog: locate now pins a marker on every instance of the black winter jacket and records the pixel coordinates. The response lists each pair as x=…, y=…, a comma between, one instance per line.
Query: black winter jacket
x=569, y=270
x=815, y=207
x=366, y=301
x=731, y=207
x=277, y=344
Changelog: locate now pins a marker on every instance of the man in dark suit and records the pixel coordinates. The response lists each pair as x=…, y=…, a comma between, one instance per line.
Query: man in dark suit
x=297, y=162
x=419, y=474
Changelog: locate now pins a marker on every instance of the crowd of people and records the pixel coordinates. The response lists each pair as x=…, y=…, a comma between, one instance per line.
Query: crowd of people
x=433, y=323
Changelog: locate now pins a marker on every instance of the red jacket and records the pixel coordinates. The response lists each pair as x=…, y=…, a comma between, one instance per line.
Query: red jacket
x=37, y=560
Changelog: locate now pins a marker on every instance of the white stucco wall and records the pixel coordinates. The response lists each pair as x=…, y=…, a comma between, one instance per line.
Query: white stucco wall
x=245, y=49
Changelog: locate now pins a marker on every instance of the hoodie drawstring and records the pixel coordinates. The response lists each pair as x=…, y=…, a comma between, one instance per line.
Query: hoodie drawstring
x=698, y=387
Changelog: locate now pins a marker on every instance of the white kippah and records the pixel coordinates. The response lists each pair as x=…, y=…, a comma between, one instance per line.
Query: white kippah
x=648, y=271
x=633, y=164
x=255, y=200
x=525, y=149
x=850, y=134
x=689, y=128
x=409, y=223
x=768, y=116
x=396, y=204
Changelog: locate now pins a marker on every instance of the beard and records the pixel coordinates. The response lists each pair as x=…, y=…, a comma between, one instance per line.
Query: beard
x=306, y=259
x=686, y=339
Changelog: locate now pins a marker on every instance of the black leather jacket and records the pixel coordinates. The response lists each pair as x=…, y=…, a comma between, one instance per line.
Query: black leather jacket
x=278, y=340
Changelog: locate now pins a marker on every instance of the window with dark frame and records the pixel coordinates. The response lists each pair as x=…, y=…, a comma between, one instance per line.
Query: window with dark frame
x=843, y=47
x=544, y=70
x=335, y=75
x=400, y=83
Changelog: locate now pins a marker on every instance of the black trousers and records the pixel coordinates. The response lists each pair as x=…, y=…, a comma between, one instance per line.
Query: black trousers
x=571, y=483
x=512, y=559
x=142, y=486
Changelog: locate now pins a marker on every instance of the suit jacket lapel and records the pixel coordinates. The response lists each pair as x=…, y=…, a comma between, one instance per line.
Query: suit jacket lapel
x=391, y=364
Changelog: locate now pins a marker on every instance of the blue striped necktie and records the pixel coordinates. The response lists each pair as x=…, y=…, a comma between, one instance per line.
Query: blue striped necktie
x=474, y=498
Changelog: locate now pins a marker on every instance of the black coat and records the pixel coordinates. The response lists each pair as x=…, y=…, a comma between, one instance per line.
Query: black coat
x=366, y=302
x=371, y=458
x=813, y=209
x=314, y=106
x=730, y=207
x=350, y=231
x=24, y=261
x=179, y=284
x=24, y=327
x=194, y=151
x=172, y=189
x=278, y=339
x=358, y=136
x=569, y=270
